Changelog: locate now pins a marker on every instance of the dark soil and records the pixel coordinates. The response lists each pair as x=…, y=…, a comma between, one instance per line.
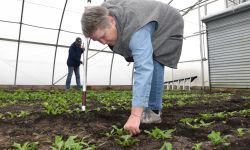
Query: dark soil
x=43, y=128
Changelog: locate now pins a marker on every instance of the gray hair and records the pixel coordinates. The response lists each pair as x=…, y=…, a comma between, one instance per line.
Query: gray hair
x=93, y=18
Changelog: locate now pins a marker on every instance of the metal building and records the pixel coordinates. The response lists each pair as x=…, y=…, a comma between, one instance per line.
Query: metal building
x=228, y=41
x=231, y=3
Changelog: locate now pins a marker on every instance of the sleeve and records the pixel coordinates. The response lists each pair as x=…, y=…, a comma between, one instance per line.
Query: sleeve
x=142, y=52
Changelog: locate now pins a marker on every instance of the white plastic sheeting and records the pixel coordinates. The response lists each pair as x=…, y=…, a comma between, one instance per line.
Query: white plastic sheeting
x=39, y=33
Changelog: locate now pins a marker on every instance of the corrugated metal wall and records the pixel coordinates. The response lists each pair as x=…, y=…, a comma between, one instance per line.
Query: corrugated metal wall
x=229, y=50
x=231, y=3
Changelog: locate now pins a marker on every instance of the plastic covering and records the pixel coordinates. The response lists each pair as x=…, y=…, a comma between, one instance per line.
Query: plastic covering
x=35, y=36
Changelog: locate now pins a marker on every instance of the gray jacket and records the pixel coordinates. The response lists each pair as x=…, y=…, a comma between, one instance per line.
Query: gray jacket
x=131, y=15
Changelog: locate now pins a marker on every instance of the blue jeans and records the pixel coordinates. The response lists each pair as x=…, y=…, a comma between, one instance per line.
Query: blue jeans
x=148, y=74
x=70, y=73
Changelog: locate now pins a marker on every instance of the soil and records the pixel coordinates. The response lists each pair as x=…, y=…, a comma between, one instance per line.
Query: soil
x=43, y=128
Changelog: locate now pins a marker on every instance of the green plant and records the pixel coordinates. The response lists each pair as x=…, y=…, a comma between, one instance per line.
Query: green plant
x=25, y=146
x=203, y=124
x=126, y=141
x=240, y=131
x=220, y=114
x=206, y=116
x=121, y=137
x=71, y=144
x=11, y=115
x=246, y=97
x=195, y=122
x=216, y=138
x=185, y=120
x=160, y=134
x=116, y=132
x=166, y=146
x=181, y=103
x=1, y=116
x=23, y=114
x=56, y=106
x=197, y=146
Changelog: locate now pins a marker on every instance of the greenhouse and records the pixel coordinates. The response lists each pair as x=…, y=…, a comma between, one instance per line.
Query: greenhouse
x=105, y=101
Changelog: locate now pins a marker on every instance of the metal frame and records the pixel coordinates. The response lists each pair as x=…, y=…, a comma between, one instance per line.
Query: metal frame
x=197, y=5
x=58, y=35
x=18, y=46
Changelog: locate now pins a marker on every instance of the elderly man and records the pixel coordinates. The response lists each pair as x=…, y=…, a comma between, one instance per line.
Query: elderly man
x=146, y=32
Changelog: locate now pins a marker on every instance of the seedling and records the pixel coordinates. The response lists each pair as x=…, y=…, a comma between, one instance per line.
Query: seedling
x=197, y=146
x=23, y=114
x=206, y=116
x=26, y=146
x=1, y=116
x=116, y=132
x=220, y=115
x=216, y=138
x=240, y=131
x=110, y=134
x=246, y=97
x=166, y=146
x=12, y=115
x=160, y=134
x=195, y=123
x=185, y=120
x=56, y=106
x=167, y=105
x=71, y=144
x=181, y=103
x=233, y=113
x=203, y=124
x=126, y=141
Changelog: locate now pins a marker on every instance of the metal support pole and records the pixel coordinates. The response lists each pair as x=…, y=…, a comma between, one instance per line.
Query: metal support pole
x=18, y=46
x=172, y=79
x=85, y=68
x=183, y=88
x=58, y=35
x=201, y=48
x=226, y=3
x=189, y=85
x=178, y=86
x=111, y=67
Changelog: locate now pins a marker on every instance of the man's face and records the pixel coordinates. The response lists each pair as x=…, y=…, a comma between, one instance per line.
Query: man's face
x=106, y=35
x=79, y=43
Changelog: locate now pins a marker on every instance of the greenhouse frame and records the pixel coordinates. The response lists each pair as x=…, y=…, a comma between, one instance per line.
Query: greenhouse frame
x=31, y=58
x=110, y=103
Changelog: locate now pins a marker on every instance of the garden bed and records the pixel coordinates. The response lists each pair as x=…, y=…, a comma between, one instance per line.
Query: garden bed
x=190, y=120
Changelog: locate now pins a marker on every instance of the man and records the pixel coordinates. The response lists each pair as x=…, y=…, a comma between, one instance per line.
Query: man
x=147, y=32
x=74, y=60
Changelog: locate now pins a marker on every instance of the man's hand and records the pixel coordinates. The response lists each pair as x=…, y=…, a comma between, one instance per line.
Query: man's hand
x=133, y=123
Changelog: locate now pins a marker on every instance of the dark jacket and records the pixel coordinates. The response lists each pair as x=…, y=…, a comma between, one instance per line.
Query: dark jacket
x=131, y=15
x=74, y=58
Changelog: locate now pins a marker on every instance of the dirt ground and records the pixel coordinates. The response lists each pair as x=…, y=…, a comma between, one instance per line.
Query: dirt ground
x=43, y=128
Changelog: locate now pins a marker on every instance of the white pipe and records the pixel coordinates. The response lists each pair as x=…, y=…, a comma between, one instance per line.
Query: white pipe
x=85, y=66
x=201, y=49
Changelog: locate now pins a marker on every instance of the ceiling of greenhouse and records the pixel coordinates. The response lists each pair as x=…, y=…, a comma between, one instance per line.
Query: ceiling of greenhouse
x=35, y=36
x=41, y=19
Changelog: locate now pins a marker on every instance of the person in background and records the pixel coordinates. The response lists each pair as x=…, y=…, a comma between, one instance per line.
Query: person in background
x=73, y=62
x=146, y=32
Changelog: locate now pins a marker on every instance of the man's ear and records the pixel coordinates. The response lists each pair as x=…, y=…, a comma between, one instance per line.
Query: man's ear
x=111, y=20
